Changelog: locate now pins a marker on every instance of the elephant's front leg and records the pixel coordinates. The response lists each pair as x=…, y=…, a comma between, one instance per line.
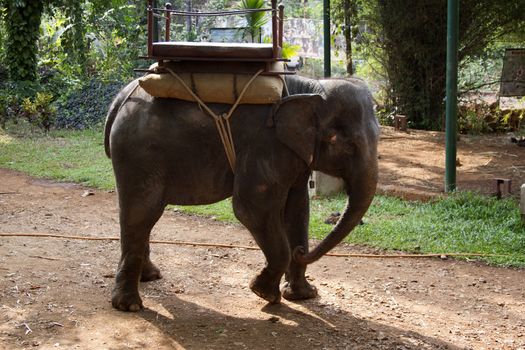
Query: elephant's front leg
x=296, y=222
x=264, y=219
x=150, y=272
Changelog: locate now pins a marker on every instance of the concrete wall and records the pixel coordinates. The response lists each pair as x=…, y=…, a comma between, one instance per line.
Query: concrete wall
x=325, y=185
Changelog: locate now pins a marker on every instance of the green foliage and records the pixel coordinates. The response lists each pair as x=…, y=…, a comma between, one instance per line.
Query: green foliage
x=86, y=105
x=58, y=69
x=408, y=39
x=482, y=71
x=289, y=50
x=22, y=19
x=39, y=111
x=514, y=120
x=5, y=102
x=3, y=38
x=73, y=41
x=314, y=68
x=12, y=95
x=473, y=119
x=478, y=116
x=116, y=38
x=345, y=21
x=255, y=20
x=312, y=9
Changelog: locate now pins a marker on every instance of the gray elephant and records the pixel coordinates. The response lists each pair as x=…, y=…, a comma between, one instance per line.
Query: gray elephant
x=168, y=151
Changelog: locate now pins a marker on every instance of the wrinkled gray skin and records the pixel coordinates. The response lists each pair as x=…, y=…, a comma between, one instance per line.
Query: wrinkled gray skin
x=167, y=151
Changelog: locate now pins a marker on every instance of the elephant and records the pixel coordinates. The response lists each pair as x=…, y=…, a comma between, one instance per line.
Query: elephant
x=168, y=151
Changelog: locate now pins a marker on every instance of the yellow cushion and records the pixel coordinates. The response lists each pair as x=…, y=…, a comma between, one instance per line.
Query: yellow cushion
x=214, y=87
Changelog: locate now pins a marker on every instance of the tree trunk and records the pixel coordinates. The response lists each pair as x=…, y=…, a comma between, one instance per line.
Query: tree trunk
x=348, y=35
x=74, y=43
x=22, y=25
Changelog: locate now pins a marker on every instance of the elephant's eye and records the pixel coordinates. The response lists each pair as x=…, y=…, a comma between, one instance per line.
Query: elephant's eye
x=340, y=128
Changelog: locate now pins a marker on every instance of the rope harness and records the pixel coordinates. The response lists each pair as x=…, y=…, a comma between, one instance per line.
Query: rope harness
x=222, y=121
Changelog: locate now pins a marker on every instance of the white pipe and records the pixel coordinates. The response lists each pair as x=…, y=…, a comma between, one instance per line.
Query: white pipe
x=522, y=203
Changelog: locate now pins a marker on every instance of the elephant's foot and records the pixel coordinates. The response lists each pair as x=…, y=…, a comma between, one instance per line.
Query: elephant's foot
x=299, y=291
x=265, y=288
x=150, y=272
x=124, y=300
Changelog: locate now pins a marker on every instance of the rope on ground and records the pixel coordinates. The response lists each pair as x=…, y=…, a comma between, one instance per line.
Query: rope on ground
x=223, y=245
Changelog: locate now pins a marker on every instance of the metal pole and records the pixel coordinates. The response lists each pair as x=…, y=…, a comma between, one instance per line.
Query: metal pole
x=452, y=95
x=326, y=26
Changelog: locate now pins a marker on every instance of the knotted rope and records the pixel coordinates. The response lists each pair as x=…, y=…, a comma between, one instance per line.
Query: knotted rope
x=222, y=121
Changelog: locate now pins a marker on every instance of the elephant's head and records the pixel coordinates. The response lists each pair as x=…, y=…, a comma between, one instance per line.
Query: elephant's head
x=336, y=134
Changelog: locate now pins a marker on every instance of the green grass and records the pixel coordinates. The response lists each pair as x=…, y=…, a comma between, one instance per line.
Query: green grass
x=75, y=156
x=464, y=222
x=461, y=223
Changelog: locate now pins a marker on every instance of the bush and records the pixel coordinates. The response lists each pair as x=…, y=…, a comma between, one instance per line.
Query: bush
x=86, y=106
x=39, y=111
x=314, y=68
x=12, y=94
x=477, y=118
x=414, y=59
x=480, y=117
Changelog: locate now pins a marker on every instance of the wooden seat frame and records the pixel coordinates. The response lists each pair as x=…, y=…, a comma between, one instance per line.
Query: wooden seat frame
x=261, y=55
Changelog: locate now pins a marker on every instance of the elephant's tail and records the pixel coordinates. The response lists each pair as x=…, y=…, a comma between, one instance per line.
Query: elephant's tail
x=115, y=107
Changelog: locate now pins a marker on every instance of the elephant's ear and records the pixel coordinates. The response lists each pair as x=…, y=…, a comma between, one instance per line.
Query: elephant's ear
x=296, y=123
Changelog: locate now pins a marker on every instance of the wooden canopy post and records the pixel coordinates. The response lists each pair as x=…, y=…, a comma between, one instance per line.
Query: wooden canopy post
x=281, y=25
x=150, y=28
x=167, y=7
x=275, y=30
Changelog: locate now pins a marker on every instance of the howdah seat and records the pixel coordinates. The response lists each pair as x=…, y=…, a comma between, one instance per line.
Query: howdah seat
x=259, y=55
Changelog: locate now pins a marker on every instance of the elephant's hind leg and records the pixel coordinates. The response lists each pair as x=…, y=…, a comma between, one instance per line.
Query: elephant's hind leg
x=139, y=211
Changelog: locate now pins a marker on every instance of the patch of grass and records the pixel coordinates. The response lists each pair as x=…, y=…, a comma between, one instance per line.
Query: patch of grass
x=463, y=222
x=221, y=211
x=74, y=156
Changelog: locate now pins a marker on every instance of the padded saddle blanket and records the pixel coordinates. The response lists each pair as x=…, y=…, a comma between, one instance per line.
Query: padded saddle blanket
x=213, y=87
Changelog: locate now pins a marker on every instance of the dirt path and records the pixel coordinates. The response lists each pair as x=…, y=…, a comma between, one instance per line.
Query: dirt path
x=412, y=165
x=55, y=294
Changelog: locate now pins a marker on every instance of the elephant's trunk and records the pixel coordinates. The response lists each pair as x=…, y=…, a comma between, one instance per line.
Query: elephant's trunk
x=361, y=189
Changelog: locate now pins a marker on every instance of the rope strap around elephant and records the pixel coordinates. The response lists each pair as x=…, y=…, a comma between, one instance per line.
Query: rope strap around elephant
x=221, y=121
x=223, y=245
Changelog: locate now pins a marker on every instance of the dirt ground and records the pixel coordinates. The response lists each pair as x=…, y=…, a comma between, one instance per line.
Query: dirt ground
x=412, y=165
x=55, y=294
